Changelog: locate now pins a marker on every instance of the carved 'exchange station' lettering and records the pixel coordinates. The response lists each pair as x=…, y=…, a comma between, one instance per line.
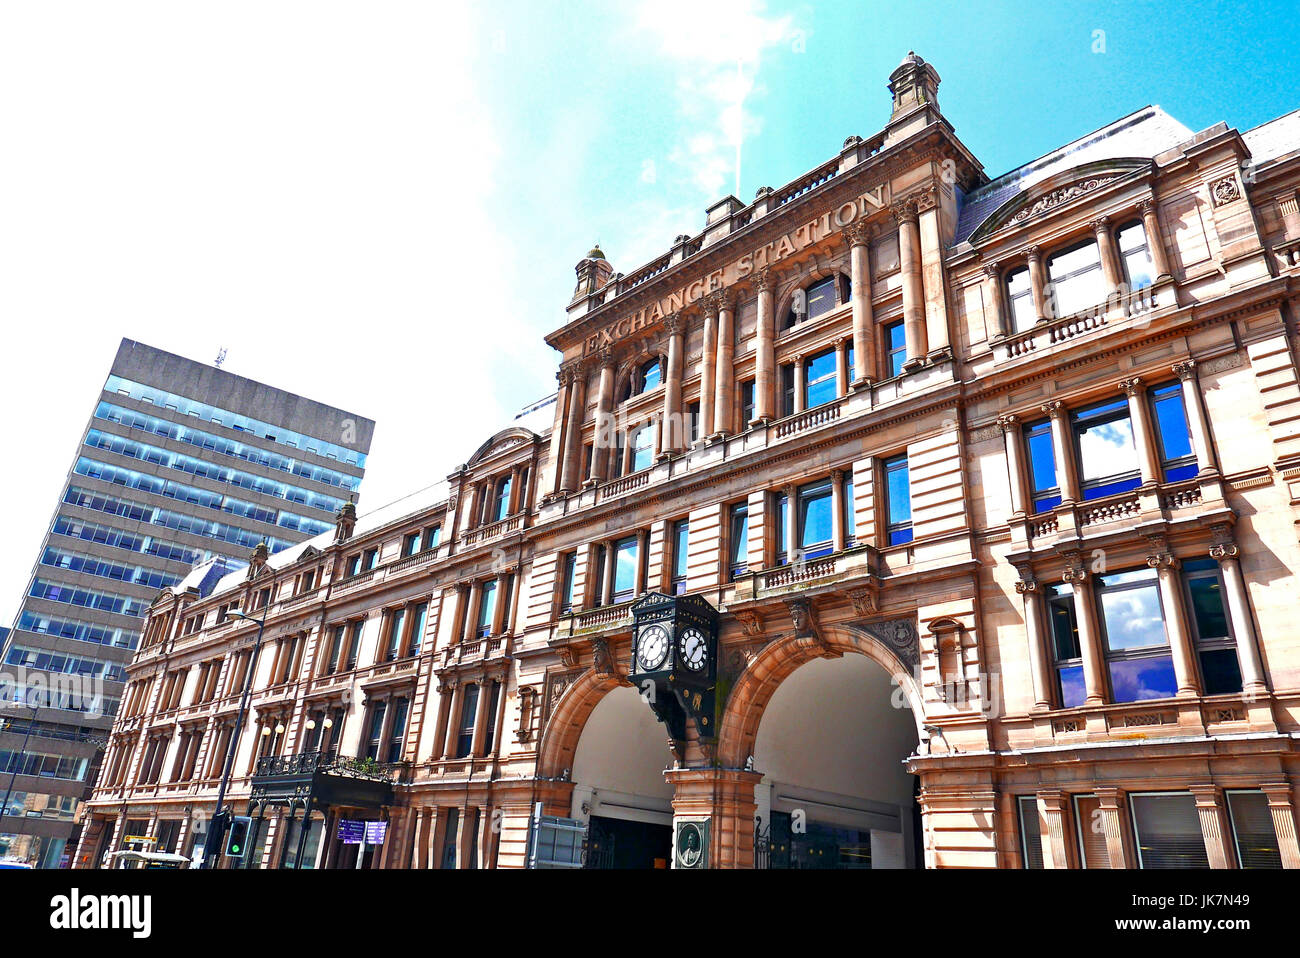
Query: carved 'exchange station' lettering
x=814, y=231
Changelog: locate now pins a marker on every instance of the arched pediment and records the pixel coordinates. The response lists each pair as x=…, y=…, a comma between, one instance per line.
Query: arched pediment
x=506, y=439
x=1058, y=190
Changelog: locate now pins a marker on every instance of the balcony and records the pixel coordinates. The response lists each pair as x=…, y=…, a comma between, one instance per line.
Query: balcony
x=493, y=530
x=327, y=777
x=1117, y=308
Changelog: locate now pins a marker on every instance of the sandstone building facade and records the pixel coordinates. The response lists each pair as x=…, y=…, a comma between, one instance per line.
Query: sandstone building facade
x=992, y=483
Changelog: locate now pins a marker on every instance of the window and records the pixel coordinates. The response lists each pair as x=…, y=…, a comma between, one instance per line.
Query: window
x=598, y=579
x=820, y=380
x=625, y=566
x=1020, y=300
x=375, y=733
x=335, y=650
x=489, y=733
x=353, y=566
x=787, y=390
x=1031, y=835
x=411, y=544
x=369, y=560
x=814, y=301
x=1108, y=458
x=644, y=378
x=354, y=645
x=681, y=530
x=1168, y=831
x=738, y=540
x=1063, y=626
x=418, y=621
x=781, y=515
x=849, y=517
x=898, y=501
x=1177, y=457
x=1077, y=279
x=643, y=448
x=816, y=515
x=568, y=577
x=449, y=833
x=1139, y=270
x=1044, y=487
x=693, y=422
x=487, y=605
x=468, y=712
x=396, y=618
x=501, y=506
x=746, y=404
x=1137, y=648
x=1215, y=647
x=397, y=731
x=895, y=349
x=1253, y=834
x=431, y=537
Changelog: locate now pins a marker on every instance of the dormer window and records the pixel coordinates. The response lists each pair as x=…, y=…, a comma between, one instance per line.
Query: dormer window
x=817, y=300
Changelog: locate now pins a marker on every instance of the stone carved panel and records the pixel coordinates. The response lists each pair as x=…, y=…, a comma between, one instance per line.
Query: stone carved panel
x=899, y=636
x=557, y=683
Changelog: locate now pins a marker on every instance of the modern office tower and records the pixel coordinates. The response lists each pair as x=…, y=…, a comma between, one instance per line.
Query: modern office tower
x=900, y=517
x=180, y=463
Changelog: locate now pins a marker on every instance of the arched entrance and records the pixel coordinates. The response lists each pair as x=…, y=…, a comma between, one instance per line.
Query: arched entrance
x=828, y=722
x=618, y=784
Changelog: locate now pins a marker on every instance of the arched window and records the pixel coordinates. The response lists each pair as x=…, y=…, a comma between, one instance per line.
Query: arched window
x=643, y=378
x=817, y=299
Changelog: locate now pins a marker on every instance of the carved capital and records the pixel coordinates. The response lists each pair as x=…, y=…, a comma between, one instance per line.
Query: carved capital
x=1075, y=571
x=904, y=211
x=1224, y=550
x=1185, y=371
x=992, y=269
x=765, y=280
x=1009, y=423
x=712, y=303
x=1027, y=582
x=1054, y=408
x=1033, y=253
x=674, y=324
x=568, y=658
x=858, y=234
x=1131, y=387
x=1146, y=207
x=1101, y=225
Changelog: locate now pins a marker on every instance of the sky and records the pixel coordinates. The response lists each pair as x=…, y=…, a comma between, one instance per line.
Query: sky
x=380, y=206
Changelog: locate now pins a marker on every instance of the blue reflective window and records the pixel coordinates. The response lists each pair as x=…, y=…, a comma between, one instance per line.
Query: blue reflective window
x=1108, y=457
x=898, y=500
x=625, y=563
x=1042, y=466
x=1137, y=648
x=896, y=348
x=816, y=515
x=820, y=386
x=1177, y=457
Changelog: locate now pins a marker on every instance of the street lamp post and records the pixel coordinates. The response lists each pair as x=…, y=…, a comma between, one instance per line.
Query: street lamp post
x=211, y=848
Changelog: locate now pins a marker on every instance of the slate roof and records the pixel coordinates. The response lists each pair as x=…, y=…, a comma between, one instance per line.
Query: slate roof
x=1275, y=138
x=1147, y=132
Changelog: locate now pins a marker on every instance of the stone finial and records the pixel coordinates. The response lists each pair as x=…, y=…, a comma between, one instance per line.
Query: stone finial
x=257, y=560
x=914, y=84
x=345, y=521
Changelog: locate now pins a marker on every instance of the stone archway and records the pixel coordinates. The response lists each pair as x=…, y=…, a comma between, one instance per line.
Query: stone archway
x=777, y=660
x=820, y=720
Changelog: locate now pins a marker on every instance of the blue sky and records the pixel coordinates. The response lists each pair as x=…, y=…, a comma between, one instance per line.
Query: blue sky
x=380, y=206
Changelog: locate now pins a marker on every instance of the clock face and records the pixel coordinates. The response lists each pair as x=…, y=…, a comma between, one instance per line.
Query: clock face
x=652, y=648
x=693, y=649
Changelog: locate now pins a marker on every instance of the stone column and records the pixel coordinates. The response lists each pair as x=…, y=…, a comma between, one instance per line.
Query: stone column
x=1085, y=611
x=505, y=585
x=453, y=720
x=639, y=579
x=1027, y=586
x=1180, y=639
x=859, y=239
x=800, y=376
x=573, y=431
x=1038, y=283
x=1107, y=253
x=993, y=290
x=1155, y=239
x=724, y=384
x=1210, y=811
x=1110, y=802
x=1225, y=551
x=605, y=434
x=708, y=366
x=837, y=510
x=1051, y=823
x=445, y=695
x=1282, y=811
x=765, y=350
x=1062, y=451
x=607, y=595
x=1140, y=415
x=909, y=257
x=726, y=797
x=842, y=371
x=1015, y=464
x=564, y=378
x=671, y=434
x=1197, y=422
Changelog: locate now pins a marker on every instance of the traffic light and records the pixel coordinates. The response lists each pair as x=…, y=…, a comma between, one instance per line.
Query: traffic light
x=237, y=839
